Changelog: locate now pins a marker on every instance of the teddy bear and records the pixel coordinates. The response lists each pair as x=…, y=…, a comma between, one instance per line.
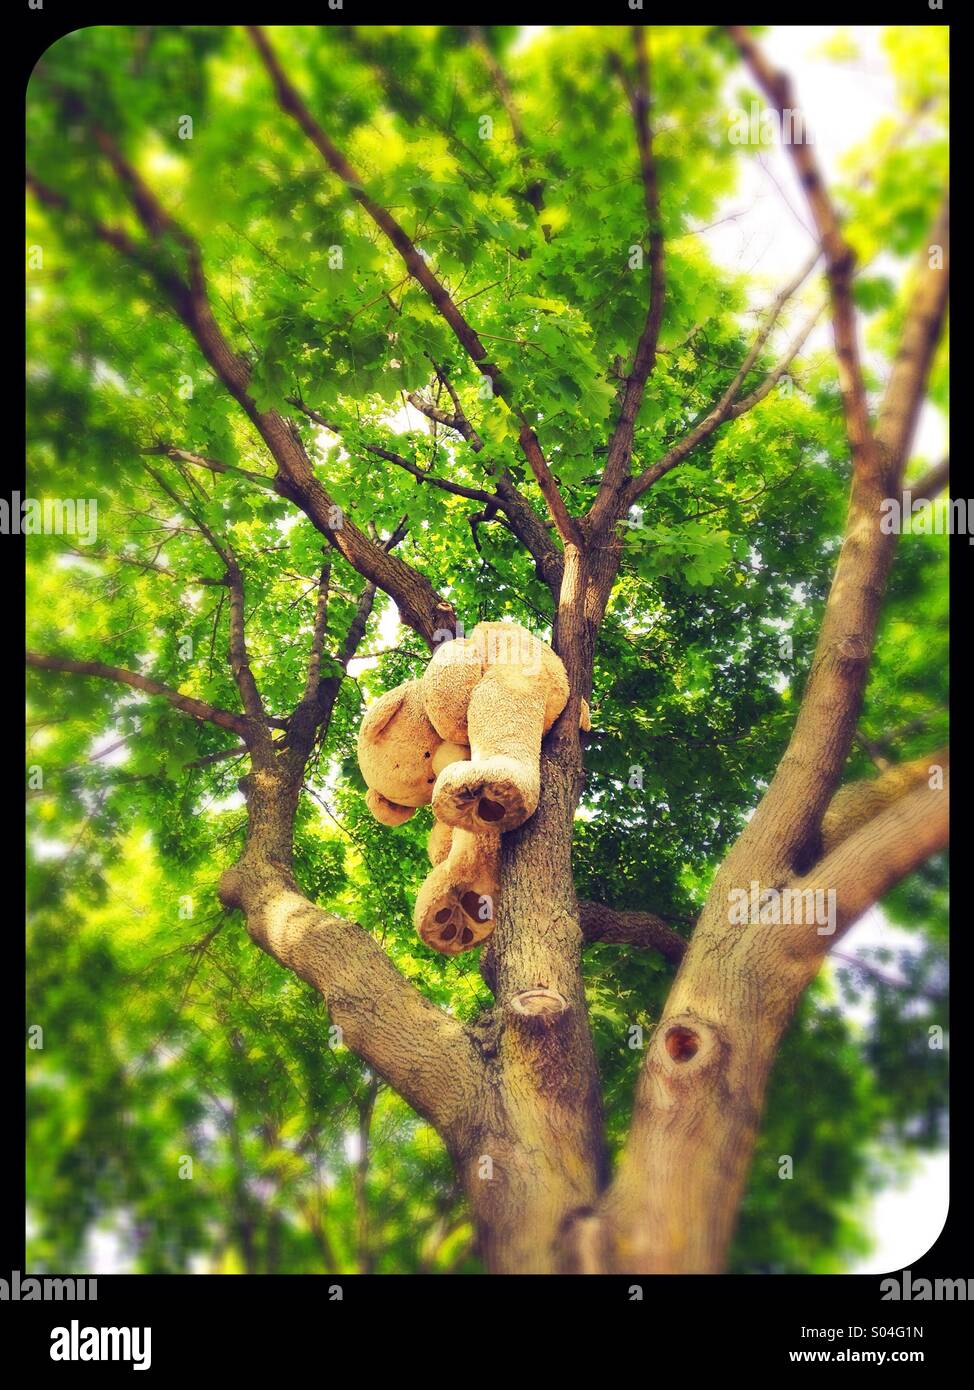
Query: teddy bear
x=400, y=755
x=465, y=737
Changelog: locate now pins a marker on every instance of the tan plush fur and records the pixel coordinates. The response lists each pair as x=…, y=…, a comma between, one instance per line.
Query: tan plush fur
x=466, y=736
x=500, y=691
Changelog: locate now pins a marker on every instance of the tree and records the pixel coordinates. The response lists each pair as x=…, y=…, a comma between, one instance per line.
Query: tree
x=267, y=259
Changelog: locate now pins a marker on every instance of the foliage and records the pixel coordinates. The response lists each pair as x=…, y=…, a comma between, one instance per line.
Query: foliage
x=166, y=1034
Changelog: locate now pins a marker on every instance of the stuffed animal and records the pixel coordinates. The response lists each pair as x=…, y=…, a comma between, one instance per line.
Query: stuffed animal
x=400, y=755
x=497, y=691
x=466, y=737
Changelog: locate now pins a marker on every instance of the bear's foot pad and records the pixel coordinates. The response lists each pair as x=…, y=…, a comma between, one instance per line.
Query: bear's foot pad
x=479, y=797
x=458, y=921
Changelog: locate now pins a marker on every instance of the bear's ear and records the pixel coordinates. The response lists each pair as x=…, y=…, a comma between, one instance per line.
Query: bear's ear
x=385, y=811
x=385, y=709
x=585, y=718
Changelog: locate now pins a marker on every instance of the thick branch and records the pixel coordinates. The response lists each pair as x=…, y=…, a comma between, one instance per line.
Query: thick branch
x=859, y=802
x=701, y=1088
x=626, y=928
x=873, y=859
x=423, y=1053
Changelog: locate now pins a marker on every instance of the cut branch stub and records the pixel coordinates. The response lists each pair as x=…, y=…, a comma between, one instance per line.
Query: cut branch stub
x=447, y=623
x=538, y=1003
x=852, y=650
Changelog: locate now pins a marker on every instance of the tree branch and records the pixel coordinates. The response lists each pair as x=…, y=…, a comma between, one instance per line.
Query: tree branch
x=419, y=606
x=293, y=105
x=475, y=494
x=318, y=634
x=524, y=521
x=780, y=834
x=199, y=709
x=872, y=972
x=607, y=505
x=533, y=191
x=532, y=533
x=858, y=802
x=839, y=259
x=911, y=369
x=424, y=1054
x=565, y=524
x=727, y=408
x=223, y=551
x=933, y=481
x=873, y=859
x=258, y=739
x=456, y=421
x=625, y=928
x=240, y=662
x=169, y=451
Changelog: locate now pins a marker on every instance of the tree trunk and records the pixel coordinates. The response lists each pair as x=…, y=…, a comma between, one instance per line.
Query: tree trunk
x=536, y=1161
x=535, y=1155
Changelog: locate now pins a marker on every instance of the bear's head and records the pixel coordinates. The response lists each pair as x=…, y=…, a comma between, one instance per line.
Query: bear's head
x=401, y=754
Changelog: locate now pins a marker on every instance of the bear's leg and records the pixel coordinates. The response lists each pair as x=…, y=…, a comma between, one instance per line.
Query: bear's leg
x=498, y=788
x=456, y=906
